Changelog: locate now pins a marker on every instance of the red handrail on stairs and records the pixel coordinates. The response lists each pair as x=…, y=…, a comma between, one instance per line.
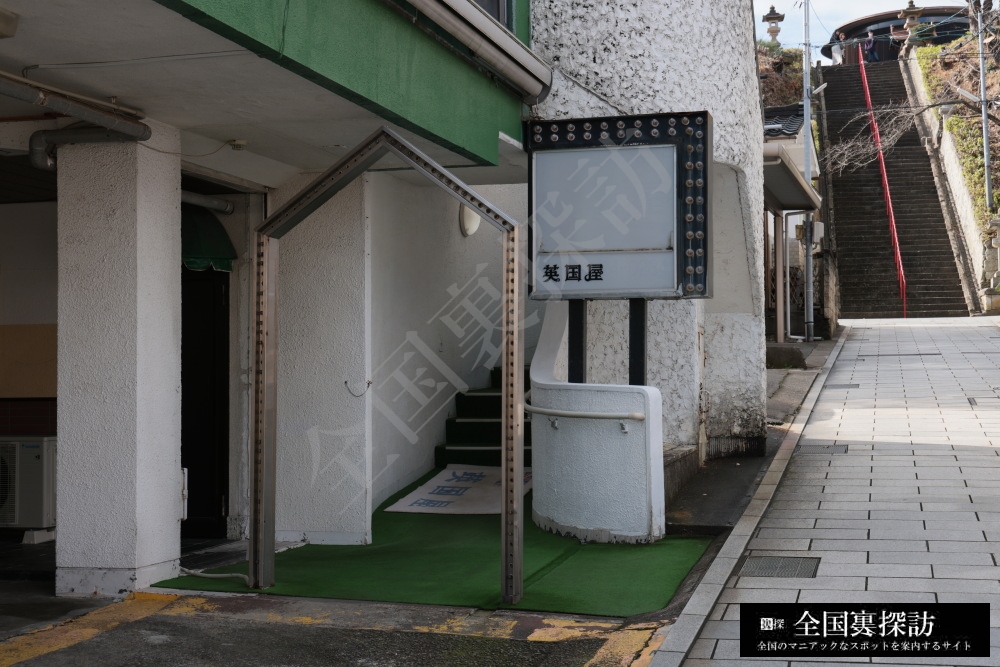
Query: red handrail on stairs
x=900, y=274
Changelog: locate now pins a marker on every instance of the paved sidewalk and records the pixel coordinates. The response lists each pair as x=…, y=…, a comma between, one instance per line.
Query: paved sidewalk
x=893, y=482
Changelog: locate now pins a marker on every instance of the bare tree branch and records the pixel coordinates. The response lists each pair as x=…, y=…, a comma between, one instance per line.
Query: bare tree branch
x=860, y=149
x=894, y=121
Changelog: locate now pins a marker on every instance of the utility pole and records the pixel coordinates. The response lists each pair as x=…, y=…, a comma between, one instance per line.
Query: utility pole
x=984, y=102
x=807, y=167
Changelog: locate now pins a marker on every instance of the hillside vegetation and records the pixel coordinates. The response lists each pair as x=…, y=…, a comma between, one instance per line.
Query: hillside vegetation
x=780, y=73
x=957, y=64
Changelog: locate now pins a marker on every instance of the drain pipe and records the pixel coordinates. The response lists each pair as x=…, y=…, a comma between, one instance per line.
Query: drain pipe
x=40, y=142
x=38, y=145
x=204, y=201
x=70, y=107
x=111, y=127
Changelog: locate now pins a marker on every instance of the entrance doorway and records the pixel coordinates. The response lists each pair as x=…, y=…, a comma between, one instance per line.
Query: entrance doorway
x=205, y=401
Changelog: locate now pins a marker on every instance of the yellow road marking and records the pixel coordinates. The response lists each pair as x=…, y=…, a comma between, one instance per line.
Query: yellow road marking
x=646, y=657
x=558, y=629
x=186, y=606
x=472, y=626
x=621, y=648
x=54, y=638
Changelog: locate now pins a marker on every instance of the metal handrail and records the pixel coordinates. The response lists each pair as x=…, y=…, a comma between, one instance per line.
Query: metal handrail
x=637, y=416
x=900, y=274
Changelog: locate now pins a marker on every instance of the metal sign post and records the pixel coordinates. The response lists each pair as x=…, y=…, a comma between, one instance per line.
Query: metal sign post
x=512, y=578
x=265, y=386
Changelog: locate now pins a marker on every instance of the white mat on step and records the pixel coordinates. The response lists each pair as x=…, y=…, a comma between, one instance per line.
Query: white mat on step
x=458, y=489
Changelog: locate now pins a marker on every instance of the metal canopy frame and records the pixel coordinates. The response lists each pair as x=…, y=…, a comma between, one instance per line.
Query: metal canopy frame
x=337, y=177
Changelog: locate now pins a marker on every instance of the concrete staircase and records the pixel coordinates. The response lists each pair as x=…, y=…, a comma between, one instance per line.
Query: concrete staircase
x=474, y=435
x=867, y=270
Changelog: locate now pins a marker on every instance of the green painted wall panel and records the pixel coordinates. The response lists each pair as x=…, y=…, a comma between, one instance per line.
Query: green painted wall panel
x=522, y=20
x=370, y=54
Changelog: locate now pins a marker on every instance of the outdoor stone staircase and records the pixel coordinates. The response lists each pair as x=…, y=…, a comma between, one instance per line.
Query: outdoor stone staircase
x=474, y=435
x=867, y=270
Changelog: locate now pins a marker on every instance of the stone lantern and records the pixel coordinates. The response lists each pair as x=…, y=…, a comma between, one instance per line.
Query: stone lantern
x=918, y=35
x=772, y=19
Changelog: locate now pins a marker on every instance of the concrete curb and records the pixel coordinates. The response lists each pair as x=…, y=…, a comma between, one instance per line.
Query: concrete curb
x=674, y=641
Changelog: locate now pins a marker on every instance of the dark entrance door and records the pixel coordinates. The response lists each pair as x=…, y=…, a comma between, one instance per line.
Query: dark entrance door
x=205, y=400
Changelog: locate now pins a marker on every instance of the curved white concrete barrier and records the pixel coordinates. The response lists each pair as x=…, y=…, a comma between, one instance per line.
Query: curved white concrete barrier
x=599, y=480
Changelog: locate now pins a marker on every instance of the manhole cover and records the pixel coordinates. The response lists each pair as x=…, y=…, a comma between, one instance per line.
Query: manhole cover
x=991, y=401
x=780, y=566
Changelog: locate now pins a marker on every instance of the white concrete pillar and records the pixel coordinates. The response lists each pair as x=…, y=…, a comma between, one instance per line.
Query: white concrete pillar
x=119, y=318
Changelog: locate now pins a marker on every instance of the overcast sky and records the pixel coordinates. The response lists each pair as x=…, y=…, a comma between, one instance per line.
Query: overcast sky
x=826, y=16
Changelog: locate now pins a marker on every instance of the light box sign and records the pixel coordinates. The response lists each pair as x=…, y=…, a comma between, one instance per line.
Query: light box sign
x=620, y=206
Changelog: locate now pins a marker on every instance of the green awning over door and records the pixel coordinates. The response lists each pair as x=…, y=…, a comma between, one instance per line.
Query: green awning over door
x=204, y=241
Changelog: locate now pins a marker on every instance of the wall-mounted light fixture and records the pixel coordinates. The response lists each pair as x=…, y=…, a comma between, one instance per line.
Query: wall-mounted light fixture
x=468, y=220
x=8, y=23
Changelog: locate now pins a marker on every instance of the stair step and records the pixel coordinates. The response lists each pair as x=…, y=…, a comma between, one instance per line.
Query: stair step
x=480, y=430
x=478, y=403
x=472, y=453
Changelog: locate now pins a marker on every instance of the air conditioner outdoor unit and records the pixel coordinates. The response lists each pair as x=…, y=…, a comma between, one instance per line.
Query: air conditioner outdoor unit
x=28, y=483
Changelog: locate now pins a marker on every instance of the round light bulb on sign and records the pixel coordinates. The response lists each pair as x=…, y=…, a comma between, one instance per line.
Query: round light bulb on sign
x=468, y=220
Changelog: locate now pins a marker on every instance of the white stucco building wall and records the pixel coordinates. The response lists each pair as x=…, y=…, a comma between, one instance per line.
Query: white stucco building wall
x=433, y=290
x=323, y=460
x=119, y=313
x=649, y=56
x=382, y=310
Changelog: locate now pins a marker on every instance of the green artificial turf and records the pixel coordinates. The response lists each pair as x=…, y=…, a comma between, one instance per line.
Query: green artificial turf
x=451, y=559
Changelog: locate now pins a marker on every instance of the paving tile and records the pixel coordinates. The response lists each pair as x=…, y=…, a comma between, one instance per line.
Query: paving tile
x=931, y=557
x=774, y=522
x=936, y=524
x=872, y=570
x=797, y=544
x=870, y=524
x=902, y=584
x=941, y=535
x=966, y=572
x=870, y=545
x=951, y=547
x=662, y=658
x=949, y=507
x=854, y=473
x=818, y=514
x=757, y=507
x=853, y=583
x=968, y=515
x=682, y=633
x=702, y=648
x=811, y=533
x=950, y=497
x=795, y=504
x=858, y=597
x=728, y=649
x=720, y=570
x=751, y=595
x=721, y=630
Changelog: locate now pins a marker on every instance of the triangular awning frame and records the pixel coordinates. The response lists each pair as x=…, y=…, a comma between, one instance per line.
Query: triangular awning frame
x=264, y=416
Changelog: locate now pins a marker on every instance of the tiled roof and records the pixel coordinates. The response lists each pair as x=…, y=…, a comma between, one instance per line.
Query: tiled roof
x=789, y=117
